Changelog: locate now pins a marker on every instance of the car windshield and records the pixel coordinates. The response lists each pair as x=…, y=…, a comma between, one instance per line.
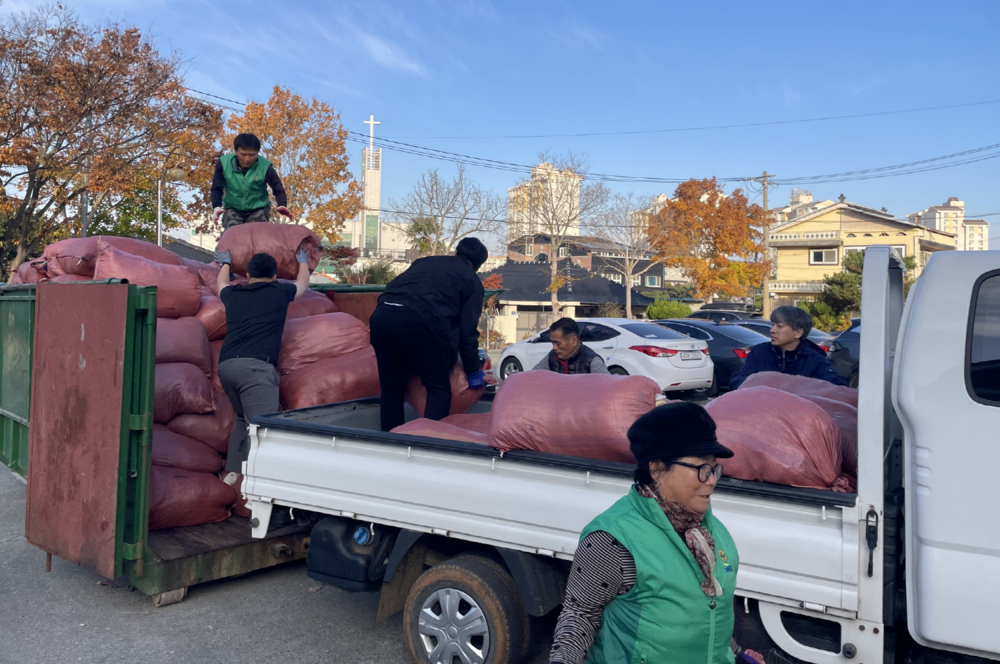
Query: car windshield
x=652, y=331
x=742, y=334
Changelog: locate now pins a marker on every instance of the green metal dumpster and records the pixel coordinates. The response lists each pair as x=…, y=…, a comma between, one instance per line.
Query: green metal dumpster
x=76, y=391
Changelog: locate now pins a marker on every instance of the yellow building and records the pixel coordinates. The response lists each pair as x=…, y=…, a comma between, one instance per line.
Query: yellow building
x=813, y=246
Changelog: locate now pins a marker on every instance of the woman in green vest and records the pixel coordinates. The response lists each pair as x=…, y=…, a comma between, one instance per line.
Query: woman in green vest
x=653, y=578
x=240, y=182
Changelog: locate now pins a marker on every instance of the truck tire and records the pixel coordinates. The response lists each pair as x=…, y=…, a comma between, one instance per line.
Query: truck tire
x=528, y=626
x=462, y=611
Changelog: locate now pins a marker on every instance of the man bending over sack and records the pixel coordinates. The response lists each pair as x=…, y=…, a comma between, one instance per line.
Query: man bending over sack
x=568, y=354
x=244, y=176
x=428, y=316
x=789, y=351
x=255, y=321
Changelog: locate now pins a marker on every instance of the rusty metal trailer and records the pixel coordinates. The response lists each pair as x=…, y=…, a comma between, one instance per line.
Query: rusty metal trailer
x=76, y=416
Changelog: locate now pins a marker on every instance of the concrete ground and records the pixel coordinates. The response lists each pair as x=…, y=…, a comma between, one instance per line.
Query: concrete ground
x=276, y=615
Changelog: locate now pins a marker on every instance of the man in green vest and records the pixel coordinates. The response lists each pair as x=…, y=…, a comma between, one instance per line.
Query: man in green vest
x=239, y=186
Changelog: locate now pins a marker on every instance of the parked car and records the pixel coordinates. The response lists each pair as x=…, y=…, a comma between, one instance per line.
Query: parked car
x=484, y=357
x=728, y=345
x=846, y=352
x=822, y=339
x=724, y=316
x=630, y=348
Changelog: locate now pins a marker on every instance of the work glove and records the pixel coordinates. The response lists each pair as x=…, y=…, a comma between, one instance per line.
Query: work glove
x=283, y=211
x=217, y=214
x=302, y=256
x=477, y=380
x=223, y=258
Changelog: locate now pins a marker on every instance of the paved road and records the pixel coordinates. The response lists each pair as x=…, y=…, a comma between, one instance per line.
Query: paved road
x=278, y=615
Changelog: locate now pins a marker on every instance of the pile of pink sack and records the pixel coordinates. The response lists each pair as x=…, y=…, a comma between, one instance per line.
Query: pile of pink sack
x=585, y=415
x=326, y=355
x=790, y=430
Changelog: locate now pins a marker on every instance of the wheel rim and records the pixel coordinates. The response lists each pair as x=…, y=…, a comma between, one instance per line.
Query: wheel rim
x=509, y=369
x=453, y=629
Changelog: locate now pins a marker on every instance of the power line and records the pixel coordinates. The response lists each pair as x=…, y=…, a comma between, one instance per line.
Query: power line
x=831, y=178
x=711, y=127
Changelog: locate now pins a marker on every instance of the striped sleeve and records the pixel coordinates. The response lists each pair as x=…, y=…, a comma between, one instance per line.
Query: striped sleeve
x=602, y=570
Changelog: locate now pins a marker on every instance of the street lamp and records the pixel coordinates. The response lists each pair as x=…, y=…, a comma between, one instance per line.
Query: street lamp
x=170, y=175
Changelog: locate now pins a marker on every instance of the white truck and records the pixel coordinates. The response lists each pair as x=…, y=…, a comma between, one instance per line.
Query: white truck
x=473, y=545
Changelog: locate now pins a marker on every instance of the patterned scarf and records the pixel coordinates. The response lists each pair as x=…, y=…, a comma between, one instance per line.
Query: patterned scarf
x=696, y=536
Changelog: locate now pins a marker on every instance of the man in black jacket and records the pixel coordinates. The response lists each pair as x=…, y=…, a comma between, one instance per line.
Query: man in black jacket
x=568, y=354
x=428, y=316
x=789, y=351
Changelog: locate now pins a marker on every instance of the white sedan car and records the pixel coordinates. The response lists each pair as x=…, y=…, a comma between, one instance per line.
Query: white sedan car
x=629, y=348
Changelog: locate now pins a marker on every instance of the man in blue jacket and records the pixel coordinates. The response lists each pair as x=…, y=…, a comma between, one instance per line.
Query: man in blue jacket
x=789, y=351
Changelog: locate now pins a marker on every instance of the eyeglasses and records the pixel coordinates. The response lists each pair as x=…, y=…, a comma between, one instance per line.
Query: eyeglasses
x=704, y=470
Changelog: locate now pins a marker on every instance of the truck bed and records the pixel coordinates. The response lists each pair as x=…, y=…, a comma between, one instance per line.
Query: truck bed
x=798, y=547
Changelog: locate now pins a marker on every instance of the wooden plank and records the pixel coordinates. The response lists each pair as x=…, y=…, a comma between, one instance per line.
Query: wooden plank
x=76, y=420
x=177, y=543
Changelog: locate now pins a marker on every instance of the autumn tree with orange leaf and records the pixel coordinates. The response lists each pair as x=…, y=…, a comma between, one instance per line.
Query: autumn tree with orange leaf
x=93, y=108
x=305, y=141
x=716, y=239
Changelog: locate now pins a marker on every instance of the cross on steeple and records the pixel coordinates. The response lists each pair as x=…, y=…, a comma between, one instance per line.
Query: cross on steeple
x=371, y=132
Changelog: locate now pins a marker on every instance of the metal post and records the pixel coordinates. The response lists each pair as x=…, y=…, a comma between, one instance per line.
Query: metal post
x=159, y=212
x=765, y=304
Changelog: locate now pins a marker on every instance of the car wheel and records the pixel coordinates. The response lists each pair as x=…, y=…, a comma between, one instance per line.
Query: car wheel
x=854, y=381
x=510, y=367
x=461, y=610
x=617, y=371
x=713, y=391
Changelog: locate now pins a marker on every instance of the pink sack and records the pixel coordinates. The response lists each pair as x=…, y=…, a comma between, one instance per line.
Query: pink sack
x=433, y=429
x=177, y=451
x=30, y=272
x=207, y=273
x=845, y=416
x=183, y=340
x=801, y=385
x=478, y=422
x=180, y=388
x=213, y=429
x=241, y=507
x=582, y=415
x=462, y=398
x=281, y=241
x=216, y=347
x=80, y=255
x=310, y=304
x=307, y=340
x=180, y=498
x=344, y=378
x=777, y=437
x=212, y=315
x=69, y=279
x=176, y=287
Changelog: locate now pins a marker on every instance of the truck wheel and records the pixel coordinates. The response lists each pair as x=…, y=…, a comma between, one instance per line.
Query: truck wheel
x=510, y=367
x=528, y=626
x=462, y=611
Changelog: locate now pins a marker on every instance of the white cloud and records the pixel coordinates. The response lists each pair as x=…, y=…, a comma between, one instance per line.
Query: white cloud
x=386, y=54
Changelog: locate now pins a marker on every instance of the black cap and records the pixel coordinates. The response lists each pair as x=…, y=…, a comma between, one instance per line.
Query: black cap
x=675, y=430
x=472, y=250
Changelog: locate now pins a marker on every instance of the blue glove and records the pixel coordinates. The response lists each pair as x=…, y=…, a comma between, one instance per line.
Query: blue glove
x=477, y=380
x=222, y=257
x=302, y=256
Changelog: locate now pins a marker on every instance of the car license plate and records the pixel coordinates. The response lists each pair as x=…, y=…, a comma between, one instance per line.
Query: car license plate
x=690, y=356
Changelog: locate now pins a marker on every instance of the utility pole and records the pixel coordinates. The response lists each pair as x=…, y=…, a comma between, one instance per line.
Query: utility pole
x=765, y=304
x=84, y=202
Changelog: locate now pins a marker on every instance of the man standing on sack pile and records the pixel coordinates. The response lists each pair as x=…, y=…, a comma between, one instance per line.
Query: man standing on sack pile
x=789, y=351
x=244, y=176
x=568, y=354
x=255, y=321
x=428, y=316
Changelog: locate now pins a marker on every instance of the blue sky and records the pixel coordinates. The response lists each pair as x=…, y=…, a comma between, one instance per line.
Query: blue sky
x=433, y=71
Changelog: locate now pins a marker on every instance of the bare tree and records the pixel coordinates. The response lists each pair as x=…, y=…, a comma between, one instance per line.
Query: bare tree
x=625, y=226
x=556, y=200
x=438, y=213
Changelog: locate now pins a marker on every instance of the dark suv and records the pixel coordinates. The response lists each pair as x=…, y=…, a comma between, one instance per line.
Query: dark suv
x=724, y=315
